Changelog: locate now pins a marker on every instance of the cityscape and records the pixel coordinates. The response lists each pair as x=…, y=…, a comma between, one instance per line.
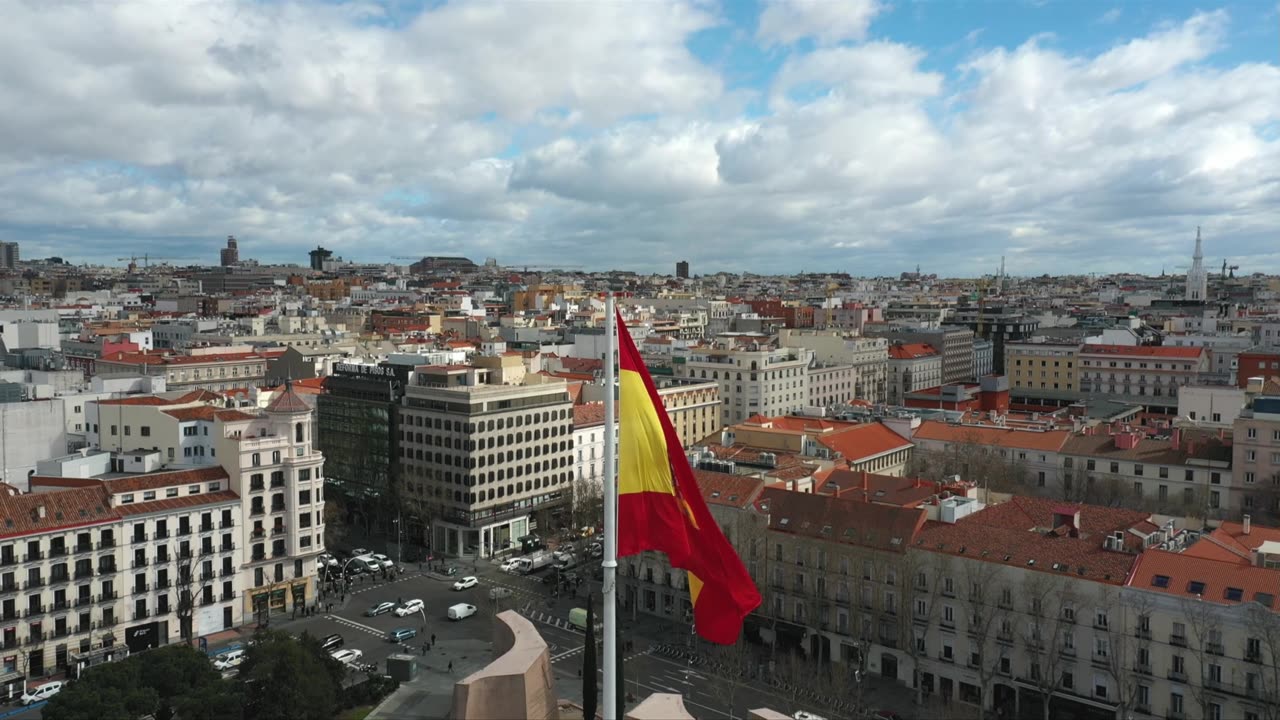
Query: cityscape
x=714, y=359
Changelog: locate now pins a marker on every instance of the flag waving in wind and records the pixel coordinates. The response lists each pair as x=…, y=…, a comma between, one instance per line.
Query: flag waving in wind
x=660, y=506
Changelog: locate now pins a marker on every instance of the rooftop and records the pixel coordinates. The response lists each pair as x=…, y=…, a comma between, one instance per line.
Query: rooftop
x=840, y=520
x=1157, y=351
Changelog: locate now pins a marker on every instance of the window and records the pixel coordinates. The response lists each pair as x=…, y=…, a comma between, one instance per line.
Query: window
x=146, y=431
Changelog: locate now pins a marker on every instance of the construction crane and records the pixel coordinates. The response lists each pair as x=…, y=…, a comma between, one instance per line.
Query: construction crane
x=146, y=260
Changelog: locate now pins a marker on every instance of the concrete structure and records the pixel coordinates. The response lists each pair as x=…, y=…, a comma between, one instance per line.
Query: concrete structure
x=997, y=324
x=1257, y=362
x=30, y=432
x=832, y=385
x=692, y=405
x=1042, y=370
x=1215, y=406
x=588, y=444
x=912, y=367
x=869, y=358
x=682, y=270
x=517, y=684
x=21, y=329
x=9, y=256
x=762, y=381
x=484, y=464
x=1256, y=456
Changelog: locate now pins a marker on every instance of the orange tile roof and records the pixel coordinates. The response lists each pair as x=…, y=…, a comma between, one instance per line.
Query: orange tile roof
x=588, y=415
x=1048, y=440
x=1173, y=573
x=191, y=414
x=737, y=491
x=875, y=488
x=1143, y=351
x=864, y=441
x=168, y=478
x=63, y=509
x=234, y=415
x=1019, y=532
x=178, y=503
x=840, y=520
x=141, y=400
x=909, y=351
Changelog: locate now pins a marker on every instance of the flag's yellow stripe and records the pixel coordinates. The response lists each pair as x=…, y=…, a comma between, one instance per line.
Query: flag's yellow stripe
x=643, y=465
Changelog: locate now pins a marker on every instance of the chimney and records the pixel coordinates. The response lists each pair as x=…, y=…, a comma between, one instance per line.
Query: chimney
x=1246, y=523
x=1175, y=439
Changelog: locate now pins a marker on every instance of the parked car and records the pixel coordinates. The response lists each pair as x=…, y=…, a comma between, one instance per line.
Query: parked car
x=369, y=564
x=401, y=634
x=327, y=560
x=469, y=581
x=226, y=661
x=332, y=642
x=461, y=610
x=499, y=592
x=359, y=551
x=409, y=607
x=510, y=565
x=347, y=656
x=885, y=715
x=42, y=693
x=385, y=561
x=802, y=715
x=380, y=608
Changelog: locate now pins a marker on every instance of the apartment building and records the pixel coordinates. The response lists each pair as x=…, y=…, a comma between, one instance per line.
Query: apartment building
x=1042, y=371
x=212, y=368
x=831, y=385
x=1144, y=374
x=998, y=324
x=984, y=361
x=769, y=381
x=912, y=367
x=692, y=405
x=1256, y=455
x=868, y=357
x=484, y=464
x=135, y=561
x=588, y=443
x=954, y=343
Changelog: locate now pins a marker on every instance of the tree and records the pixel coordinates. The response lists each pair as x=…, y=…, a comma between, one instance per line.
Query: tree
x=735, y=660
x=1204, y=620
x=1046, y=634
x=190, y=587
x=986, y=616
x=168, y=682
x=1263, y=647
x=1127, y=637
x=286, y=679
x=920, y=608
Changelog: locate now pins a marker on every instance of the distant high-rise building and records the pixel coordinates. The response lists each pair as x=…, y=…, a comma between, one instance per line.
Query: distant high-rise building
x=1197, y=278
x=8, y=255
x=682, y=269
x=318, y=256
x=230, y=254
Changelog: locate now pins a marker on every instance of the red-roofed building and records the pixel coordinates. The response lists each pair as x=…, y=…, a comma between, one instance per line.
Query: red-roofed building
x=912, y=367
x=201, y=368
x=1150, y=375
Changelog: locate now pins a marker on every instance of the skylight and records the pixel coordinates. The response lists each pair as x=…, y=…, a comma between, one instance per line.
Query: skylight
x=1195, y=587
x=826, y=529
x=1235, y=594
x=1160, y=581
x=1264, y=599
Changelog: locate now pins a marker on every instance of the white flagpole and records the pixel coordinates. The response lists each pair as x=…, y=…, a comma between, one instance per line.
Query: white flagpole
x=609, y=594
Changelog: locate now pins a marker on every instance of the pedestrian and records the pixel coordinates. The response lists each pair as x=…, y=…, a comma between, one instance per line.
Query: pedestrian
x=433, y=638
x=424, y=649
x=451, y=666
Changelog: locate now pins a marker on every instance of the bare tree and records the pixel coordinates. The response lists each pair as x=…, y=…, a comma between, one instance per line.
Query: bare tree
x=1045, y=635
x=195, y=577
x=733, y=668
x=1262, y=648
x=924, y=573
x=1127, y=637
x=1204, y=620
x=985, y=615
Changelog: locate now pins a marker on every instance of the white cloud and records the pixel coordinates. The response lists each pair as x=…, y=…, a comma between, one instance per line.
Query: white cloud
x=827, y=21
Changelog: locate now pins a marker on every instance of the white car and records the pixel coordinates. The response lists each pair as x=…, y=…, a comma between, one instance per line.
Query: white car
x=802, y=715
x=510, y=565
x=409, y=607
x=327, y=559
x=469, y=581
x=358, y=552
x=42, y=693
x=384, y=561
x=229, y=660
x=346, y=656
x=461, y=610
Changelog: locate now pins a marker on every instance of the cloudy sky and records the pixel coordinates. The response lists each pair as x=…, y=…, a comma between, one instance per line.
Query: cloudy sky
x=854, y=135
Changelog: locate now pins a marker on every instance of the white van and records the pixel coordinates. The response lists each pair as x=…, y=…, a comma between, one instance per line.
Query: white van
x=461, y=610
x=42, y=693
x=226, y=661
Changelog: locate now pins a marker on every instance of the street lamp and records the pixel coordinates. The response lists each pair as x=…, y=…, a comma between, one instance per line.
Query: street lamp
x=399, y=540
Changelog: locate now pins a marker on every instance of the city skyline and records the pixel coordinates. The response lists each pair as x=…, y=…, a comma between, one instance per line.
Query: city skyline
x=767, y=138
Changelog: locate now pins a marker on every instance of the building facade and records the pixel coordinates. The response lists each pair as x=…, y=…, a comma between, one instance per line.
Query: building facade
x=869, y=357
x=1141, y=373
x=692, y=405
x=1042, y=370
x=997, y=324
x=484, y=464
x=912, y=367
x=752, y=382
x=215, y=369
x=831, y=385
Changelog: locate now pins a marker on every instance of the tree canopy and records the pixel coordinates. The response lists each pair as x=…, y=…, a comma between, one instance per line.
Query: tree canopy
x=173, y=680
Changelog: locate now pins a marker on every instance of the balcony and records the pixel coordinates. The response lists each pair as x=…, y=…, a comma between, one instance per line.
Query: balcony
x=226, y=524
x=34, y=611
x=277, y=508
x=140, y=563
x=59, y=605
x=227, y=547
x=58, y=551
x=83, y=573
x=141, y=589
x=10, y=644
x=1178, y=676
x=257, y=510
x=34, y=583
x=33, y=557
x=1067, y=652
x=10, y=615
x=163, y=558
x=256, y=557
x=107, y=543
x=1214, y=648
x=227, y=572
x=227, y=596
x=82, y=547
x=279, y=553
x=108, y=597
x=141, y=614
x=61, y=632
x=184, y=554
x=1251, y=656
x=107, y=569
x=184, y=530
x=8, y=560
x=84, y=601
x=107, y=622
x=1142, y=669
x=280, y=530
x=1101, y=661
x=35, y=638
x=256, y=487
x=162, y=533
x=207, y=576
x=59, y=577
x=139, y=537
x=163, y=584
x=1142, y=633
x=947, y=658
x=1100, y=624
x=1178, y=640
x=206, y=527
x=82, y=629
x=8, y=588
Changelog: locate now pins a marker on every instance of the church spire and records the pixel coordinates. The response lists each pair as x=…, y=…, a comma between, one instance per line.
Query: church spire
x=1197, y=278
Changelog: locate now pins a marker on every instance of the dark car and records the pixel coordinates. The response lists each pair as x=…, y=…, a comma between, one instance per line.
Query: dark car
x=331, y=643
x=401, y=634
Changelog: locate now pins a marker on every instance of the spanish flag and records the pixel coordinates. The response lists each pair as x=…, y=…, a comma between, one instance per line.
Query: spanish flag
x=661, y=508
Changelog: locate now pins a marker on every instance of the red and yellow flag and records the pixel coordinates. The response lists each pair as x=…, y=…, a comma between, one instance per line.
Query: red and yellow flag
x=660, y=506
